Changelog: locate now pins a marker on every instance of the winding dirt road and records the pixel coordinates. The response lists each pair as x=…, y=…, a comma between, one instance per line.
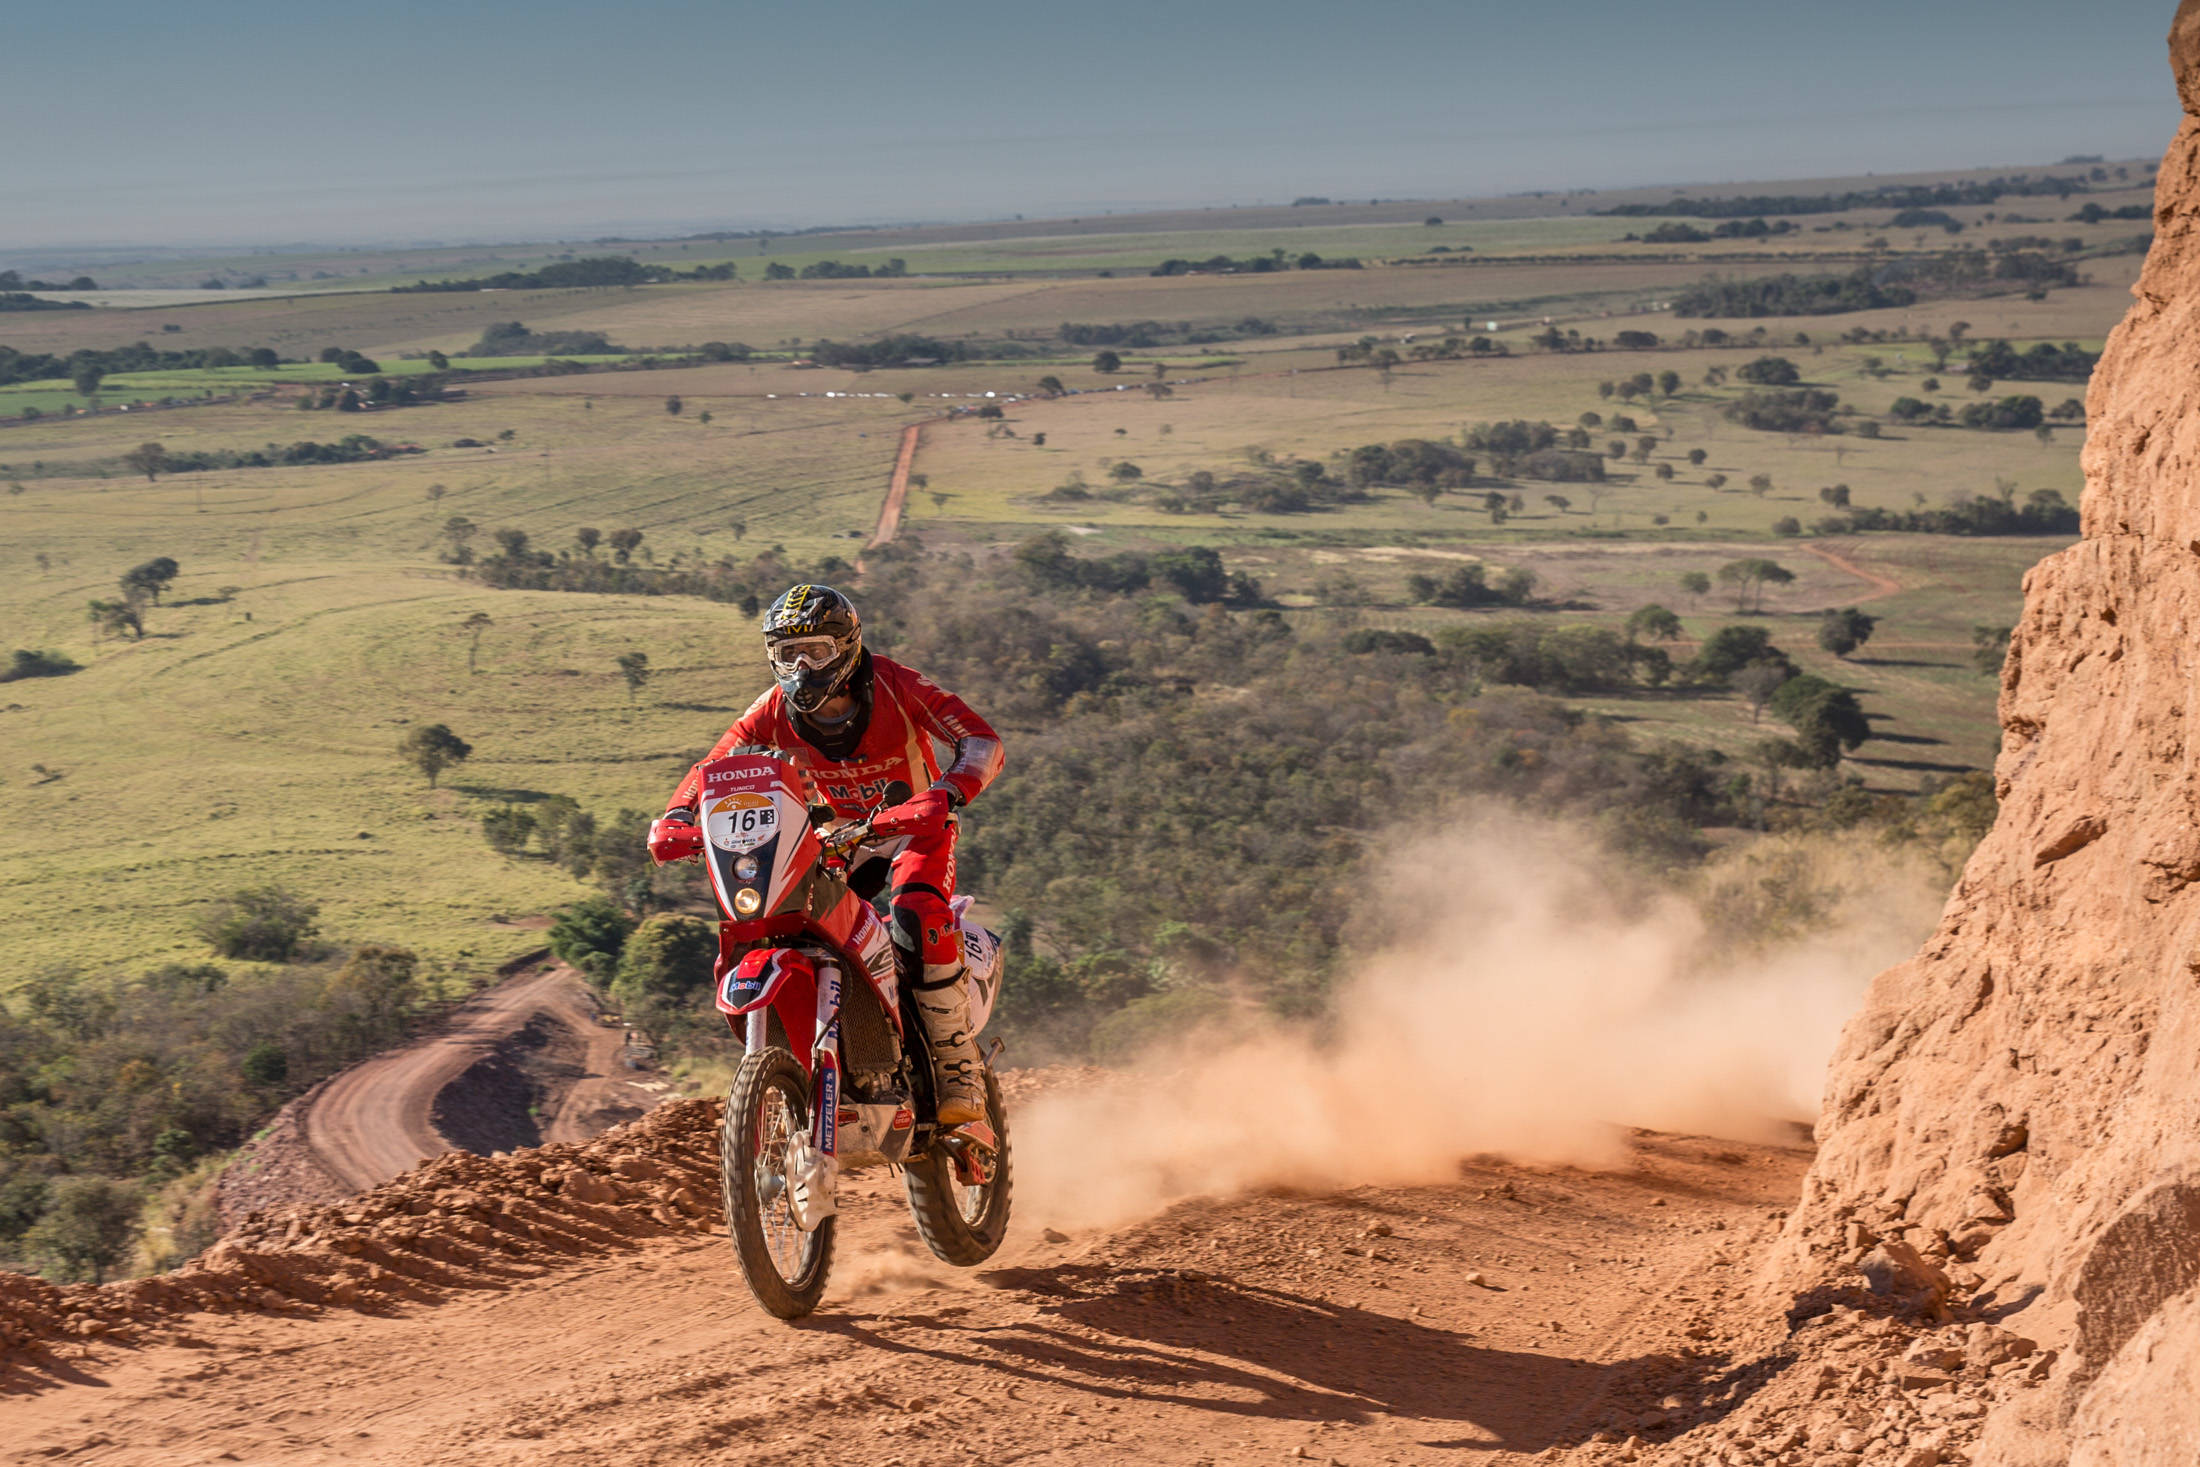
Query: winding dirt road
x=372, y=1122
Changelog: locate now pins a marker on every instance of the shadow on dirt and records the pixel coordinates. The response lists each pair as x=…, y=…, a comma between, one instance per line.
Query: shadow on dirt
x=1229, y=1348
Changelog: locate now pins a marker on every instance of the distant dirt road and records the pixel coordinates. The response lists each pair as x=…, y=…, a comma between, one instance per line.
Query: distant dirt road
x=372, y=1121
x=897, y=488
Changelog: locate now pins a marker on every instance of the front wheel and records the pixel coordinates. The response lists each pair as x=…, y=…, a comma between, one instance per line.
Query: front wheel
x=768, y=1110
x=961, y=1222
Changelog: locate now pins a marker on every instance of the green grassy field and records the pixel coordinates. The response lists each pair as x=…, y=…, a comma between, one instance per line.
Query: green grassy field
x=250, y=735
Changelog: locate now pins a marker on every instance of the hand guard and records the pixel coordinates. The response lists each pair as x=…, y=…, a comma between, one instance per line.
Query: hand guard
x=922, y=815
x=673, y=837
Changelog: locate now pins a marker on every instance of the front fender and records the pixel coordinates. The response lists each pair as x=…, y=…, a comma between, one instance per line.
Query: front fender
x=782, y=980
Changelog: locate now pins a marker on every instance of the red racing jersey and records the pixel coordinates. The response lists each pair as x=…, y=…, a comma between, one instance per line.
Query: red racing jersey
x=908, y=712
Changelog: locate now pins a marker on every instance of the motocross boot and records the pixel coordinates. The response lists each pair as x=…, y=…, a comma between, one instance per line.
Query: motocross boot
x=944, y=1005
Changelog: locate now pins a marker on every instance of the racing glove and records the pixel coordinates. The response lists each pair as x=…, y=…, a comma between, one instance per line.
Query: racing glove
x=921, y=815
x=674, y=837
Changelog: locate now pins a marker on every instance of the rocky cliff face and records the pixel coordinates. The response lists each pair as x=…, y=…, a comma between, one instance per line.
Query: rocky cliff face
x=2021, y=1100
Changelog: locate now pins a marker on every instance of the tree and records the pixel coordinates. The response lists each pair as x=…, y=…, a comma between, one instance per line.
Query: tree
x=1749, y=578
x=1669, y=382
x=435, y=493
x=588, y=537
x=1653, y=621
x=1558, y=502
x=112, y=618
x=662, y=965
x=1715, y=482
x=1696, y=456
x=634, y=667
x=673, y=405
x=1836, y=495
x=432, y=749
x=1825, y=716
x=1770, y=372
x=1696, y=583
x=87, y=379
x=1051, y=386
x=1126, y=472
x=1842, y=632
x=260, y=924
x=1730, y=649
x=458, y=530
x=508, y=829
x=475, y=625
x=1757, y=682
x=623, y=544
x=1760, y=484
x=151, y=578
x=88, y=1225
x=1106, y=361
x=590, y=934
x=149, y=459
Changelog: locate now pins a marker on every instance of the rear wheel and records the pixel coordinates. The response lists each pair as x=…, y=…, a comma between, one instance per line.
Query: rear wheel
x=961, y=1221
x=768, y=1109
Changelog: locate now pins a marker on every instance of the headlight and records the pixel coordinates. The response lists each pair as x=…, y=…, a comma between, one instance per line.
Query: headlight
x=746, y=901
x=745, y=868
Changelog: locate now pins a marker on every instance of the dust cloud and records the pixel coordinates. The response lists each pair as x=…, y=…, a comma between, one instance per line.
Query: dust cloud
x=1531, y=997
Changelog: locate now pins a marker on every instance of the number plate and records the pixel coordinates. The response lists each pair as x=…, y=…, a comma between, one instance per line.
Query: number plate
x=741, y=822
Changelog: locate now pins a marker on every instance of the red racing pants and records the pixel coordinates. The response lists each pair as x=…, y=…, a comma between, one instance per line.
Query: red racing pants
x=927, y=938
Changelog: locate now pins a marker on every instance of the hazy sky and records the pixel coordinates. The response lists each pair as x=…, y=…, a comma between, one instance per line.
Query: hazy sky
x=150, y=121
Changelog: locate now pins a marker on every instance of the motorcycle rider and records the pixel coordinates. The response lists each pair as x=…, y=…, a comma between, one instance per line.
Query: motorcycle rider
x=856, y=723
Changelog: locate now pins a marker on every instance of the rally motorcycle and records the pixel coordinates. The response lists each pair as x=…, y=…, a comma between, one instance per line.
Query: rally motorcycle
x=838, y=1072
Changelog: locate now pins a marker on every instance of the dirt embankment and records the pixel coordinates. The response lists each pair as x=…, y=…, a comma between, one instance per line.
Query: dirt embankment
x=582, y=1299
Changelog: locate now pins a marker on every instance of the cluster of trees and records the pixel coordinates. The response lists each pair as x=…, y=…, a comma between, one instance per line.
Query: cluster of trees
x=2044, y=512
x=2092, y=213
x=518, y=564
x=91, y=365
x=2014, y=412
x=1468, y=586
x=893, y=269
x=1269, y=263
x=1520, y=449
x=13, y=280
x=114, y=1085
x=1791, y=295
x=18, y=300
x=1898, y=196
x=1787, y=410
x=2042, y=362
x=593, y=271
x=1146, y=335
x=511, y=339
x=1195, y=572
x=153, y=460
x=904, y=350
x=1675, y=232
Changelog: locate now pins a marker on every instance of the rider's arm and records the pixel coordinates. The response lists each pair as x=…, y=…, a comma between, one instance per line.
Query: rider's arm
x=978, y=751
x=752, y=727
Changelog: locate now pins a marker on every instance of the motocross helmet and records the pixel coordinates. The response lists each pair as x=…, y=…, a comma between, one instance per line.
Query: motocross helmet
x=815, y=640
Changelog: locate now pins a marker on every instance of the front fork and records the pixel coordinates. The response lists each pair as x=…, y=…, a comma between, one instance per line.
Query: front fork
x=813, y=1161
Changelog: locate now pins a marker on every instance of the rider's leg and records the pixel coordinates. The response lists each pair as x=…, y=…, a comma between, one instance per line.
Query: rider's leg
x=928, y=941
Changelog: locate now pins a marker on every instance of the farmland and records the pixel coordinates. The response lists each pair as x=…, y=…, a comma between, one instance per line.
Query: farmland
x=249, y=735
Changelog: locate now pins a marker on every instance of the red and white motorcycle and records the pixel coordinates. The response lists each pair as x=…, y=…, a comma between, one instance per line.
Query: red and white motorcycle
x=838, y=1073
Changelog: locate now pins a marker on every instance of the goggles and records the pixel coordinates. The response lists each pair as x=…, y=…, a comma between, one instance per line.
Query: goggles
x=813, y=653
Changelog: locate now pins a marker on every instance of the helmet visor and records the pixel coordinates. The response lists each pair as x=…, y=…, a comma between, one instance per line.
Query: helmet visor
x=792, y=654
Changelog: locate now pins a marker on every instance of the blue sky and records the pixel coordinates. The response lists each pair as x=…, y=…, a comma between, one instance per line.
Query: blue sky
x=213, y=121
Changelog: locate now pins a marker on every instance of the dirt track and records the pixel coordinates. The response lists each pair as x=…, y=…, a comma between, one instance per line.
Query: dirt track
x=373, y=1121
x=1514, y=1311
